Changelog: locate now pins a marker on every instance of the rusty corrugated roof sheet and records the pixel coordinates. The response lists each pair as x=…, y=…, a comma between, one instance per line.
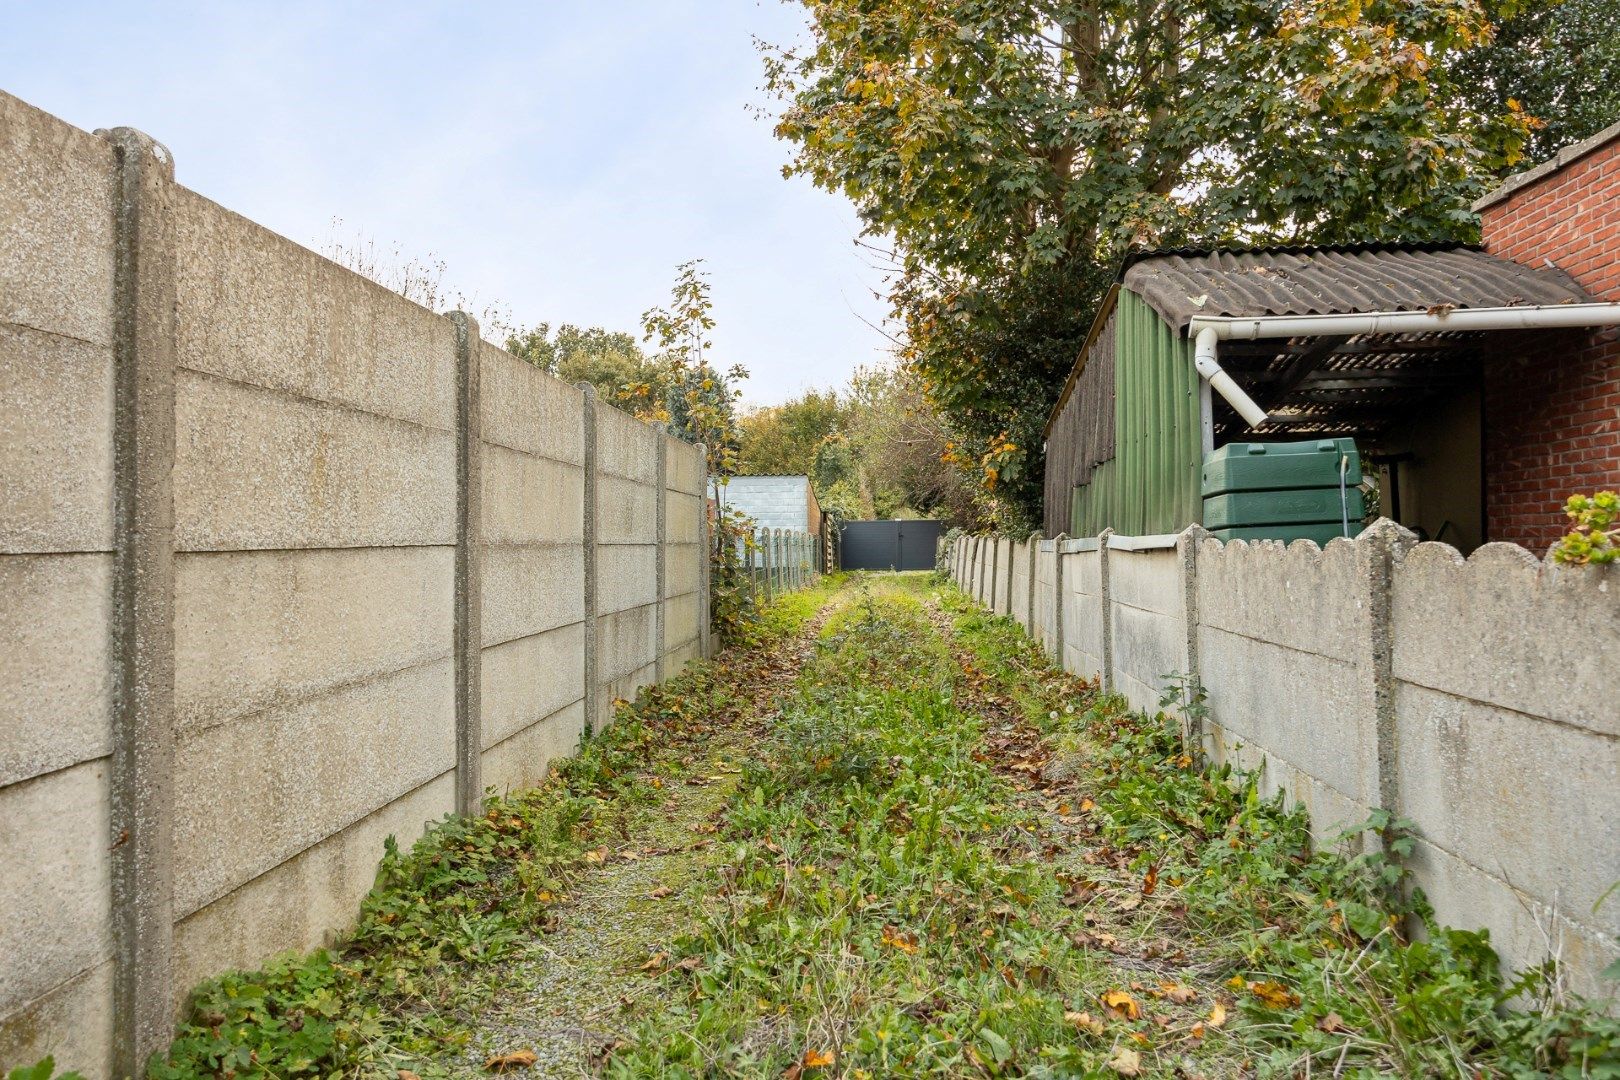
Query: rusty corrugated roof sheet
x=1337, y=280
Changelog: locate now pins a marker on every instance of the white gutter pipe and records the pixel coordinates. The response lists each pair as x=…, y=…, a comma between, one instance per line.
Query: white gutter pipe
x=1211, y=329
x=1222, y=383
x=1523, y=317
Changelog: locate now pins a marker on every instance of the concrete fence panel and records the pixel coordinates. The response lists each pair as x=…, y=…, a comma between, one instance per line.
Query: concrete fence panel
x=1297, y=613
x=1083, y=613
x=58, y=189
x=289, y=565
x=1019, y=570
x=1509, y=747
x=1469, y=695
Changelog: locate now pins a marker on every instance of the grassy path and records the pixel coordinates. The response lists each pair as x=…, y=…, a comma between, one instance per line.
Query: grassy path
x=887, y=839
x=586, y=980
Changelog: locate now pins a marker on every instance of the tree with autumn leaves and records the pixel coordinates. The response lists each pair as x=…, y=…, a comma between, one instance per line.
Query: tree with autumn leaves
x=1004, y=154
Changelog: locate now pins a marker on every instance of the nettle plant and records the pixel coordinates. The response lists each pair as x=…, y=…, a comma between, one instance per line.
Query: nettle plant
x=1594, y=535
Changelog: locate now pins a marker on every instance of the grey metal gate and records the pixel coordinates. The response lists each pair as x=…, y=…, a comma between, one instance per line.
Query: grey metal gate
x=889, y=545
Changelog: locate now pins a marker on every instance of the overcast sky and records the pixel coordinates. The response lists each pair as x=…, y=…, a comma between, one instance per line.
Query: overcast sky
x=561, y=158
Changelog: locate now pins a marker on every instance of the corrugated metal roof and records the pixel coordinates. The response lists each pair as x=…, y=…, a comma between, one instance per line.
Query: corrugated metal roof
x=1337, y=280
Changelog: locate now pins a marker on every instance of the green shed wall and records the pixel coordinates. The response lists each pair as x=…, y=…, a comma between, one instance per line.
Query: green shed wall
x=1152, y=483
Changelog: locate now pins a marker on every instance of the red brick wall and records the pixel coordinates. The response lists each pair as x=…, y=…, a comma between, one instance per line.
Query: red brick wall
x=1552, y=401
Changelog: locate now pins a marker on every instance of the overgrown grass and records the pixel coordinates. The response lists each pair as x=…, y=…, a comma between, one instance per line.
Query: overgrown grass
x=1313, y=938
x=445, y=916
x=892, y=904
x=884, y=911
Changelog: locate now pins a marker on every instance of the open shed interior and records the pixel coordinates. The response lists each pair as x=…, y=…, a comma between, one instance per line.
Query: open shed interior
x=1412, y=401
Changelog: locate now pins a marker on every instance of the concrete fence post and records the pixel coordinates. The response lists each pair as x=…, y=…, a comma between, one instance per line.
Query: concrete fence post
x=661, y=561
x=981, y=567
x=1033, y=547
x=142, y=781
x=469, y=629
x=1010, y=570
x=766, y=570
x=1187, y=544
x=1058, y=651
x=1106, y=600
x=592, y=691
x=705, y=558
x=1377, y=551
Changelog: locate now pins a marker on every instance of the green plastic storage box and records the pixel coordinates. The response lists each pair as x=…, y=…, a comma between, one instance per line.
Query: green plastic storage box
x=1296, y=507
x=1280, y=466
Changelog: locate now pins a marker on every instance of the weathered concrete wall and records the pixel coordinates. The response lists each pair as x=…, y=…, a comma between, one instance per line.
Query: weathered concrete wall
x=1509, y=744
x=57, y=191
x=1296, y=614
x=344, y=599
x=1018, y=600
x=1471, y=696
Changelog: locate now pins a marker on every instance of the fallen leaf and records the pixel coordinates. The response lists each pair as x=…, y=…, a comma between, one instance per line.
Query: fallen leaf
x=656, y=963
x=691, y=963
x=517, y=1059
x=818, y=1059
x=1217, y=1015
x=1177, y=993
x=1197, y=1031
x=596, y=856
x=1126, y=1062
x=897, y=939
x=1330, y=1023
x=661, y=892
x=1150, y=881
x=406, y=1074
x=1086, y=805
x=1084, y=1021
x=1121, y=1004
x=1274, y=995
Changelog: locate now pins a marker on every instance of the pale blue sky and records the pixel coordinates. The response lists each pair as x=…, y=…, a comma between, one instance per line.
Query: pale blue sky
x=559, y=157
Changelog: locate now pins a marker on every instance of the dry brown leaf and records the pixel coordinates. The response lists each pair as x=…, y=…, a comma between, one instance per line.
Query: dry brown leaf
x=1331, y=1023
x=691, y=963
x=898, y=939
x=1150, y=880
x=1274, y=995
x=595, y=856
x=818, y=1059
x=656, y=963
x=406, y=1074
x=1217, y=1015
x=661, y=892
x=1177, y=993
x=1121, y=1004
x=517, y=1059
x=1126, y=1062
x=1085, y=1022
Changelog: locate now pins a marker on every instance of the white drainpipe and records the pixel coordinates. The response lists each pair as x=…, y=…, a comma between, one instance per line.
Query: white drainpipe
x=1222, y=383
x=1210, y=329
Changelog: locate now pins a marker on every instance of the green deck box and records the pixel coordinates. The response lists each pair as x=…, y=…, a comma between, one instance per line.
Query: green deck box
x=1279, y=466
x=1293, y=507
x=1284, y=491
